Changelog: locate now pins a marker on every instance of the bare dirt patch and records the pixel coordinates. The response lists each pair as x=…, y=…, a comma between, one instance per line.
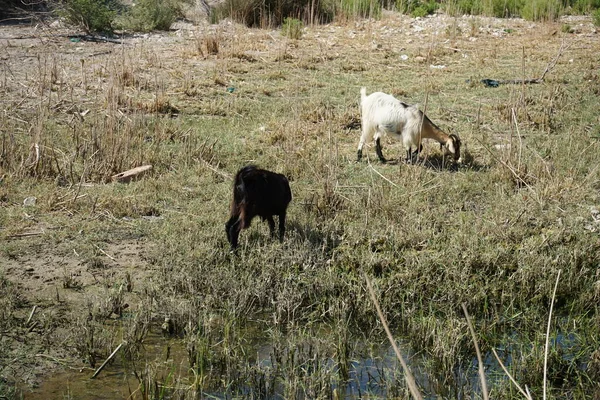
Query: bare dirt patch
x=55, y=289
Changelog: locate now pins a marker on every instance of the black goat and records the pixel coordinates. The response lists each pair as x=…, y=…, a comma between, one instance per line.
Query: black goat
x=257, y=192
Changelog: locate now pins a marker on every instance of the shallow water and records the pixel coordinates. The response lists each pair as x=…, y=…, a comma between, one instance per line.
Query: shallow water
x=115, y=381
x=75, y=385
x=376, y=376
x=367, y=376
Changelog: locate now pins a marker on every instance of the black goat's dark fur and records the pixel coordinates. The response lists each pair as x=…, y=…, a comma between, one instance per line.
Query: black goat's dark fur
x=257, y=192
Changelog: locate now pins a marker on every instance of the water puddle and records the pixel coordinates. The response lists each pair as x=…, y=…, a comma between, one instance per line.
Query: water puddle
x=374, y=376
x=116, y=380
x=264, y=370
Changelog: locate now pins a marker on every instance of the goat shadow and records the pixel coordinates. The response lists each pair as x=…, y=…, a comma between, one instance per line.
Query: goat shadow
x=439, y=162
x=316, y=237
x=295, y=232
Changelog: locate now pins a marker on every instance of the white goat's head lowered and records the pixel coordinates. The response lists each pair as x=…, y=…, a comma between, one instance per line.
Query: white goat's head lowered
x=383, y=114
x=453, y=147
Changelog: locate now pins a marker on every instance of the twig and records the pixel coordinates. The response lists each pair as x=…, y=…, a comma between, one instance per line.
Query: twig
x=60, y=203
x=527, y=396
x=62, y=362
x=215, y=170
x=105, y=253
x=378, y=173
x=548, y=334
x=514, y=117
x=80, y=183
x=479, y=359
x=410, y=380
x=31, y=314
x=107, y=360
x=56, y=360
x=100, y=53
x=512, y=170
x=552, y=63
x=26, y=234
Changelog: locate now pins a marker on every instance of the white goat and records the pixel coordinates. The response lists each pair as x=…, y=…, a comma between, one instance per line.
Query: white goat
x=384, y=114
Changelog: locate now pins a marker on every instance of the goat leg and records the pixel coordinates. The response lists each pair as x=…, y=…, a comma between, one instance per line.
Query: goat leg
x=281, y=226
x=378, y=150
x=412, y=157
x=233, y=232
x=271, y=225
x=228, y=226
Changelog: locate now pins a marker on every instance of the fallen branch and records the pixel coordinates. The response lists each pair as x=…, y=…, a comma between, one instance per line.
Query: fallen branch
x=97, y=39
x=127, y=176
x=107, y=360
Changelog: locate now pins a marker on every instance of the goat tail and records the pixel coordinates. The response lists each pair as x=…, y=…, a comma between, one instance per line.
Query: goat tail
x=288, y=191
x=239, y=186
x=363, y=94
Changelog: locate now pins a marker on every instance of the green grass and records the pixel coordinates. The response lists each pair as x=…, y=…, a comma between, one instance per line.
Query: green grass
x=492, y=234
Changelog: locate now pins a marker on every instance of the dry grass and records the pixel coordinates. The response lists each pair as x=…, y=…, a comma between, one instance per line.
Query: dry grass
x=199, y=103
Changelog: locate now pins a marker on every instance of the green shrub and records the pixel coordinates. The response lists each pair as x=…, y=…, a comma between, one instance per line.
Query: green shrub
x=471, y=7
x=596, y=16
x=460, y=7
x=90, y=15
x=502, y=8
x=270, y=13
x=582, y=6
x=541, y=10
x=406, y=6
x=148, y=15
x=352, y=9
x=419, y=12
x=416, y=8
x=292, y=28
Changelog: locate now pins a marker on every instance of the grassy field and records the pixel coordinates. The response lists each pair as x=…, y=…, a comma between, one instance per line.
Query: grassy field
x=87, y=263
